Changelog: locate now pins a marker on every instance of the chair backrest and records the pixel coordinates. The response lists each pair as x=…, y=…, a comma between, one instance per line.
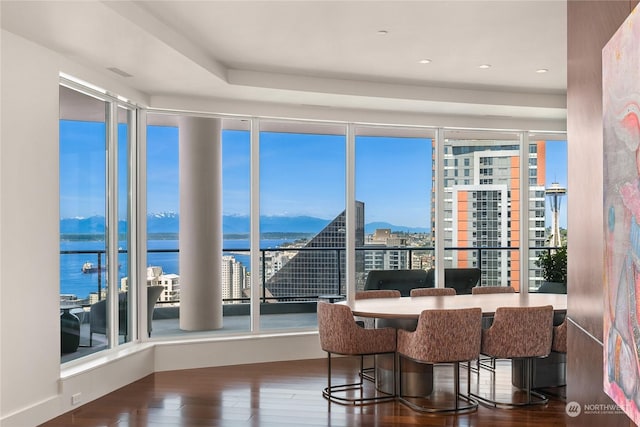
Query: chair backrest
x=334, y=327
x=519, y=332
x=98, y=316
x=559, y=341
x=447, y=335
x=493, y=290
x=402, y=280
x=378, y=293
x=339, y=333
x=423, y=292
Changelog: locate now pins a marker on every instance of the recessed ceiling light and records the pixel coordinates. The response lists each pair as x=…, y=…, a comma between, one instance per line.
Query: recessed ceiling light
x=383, y=32
x=542, y=70
x=484, y=66
x=424, y=61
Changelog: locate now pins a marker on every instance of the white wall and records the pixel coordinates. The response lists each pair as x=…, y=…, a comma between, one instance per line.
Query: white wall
x=33, y=389
x=29, y=247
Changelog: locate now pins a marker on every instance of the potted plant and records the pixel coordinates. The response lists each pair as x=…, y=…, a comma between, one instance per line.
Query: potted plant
x=554, y=270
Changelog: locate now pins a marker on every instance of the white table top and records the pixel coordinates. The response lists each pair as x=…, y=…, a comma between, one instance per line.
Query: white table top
x=410, y=307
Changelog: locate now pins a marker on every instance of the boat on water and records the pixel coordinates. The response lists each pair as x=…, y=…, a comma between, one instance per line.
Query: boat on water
x=89, y=267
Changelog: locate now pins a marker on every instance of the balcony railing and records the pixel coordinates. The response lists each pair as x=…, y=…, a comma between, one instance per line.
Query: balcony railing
x=338, y=288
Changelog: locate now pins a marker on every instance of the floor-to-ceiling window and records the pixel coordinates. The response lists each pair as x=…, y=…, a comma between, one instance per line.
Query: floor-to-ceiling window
x=95, y=147
x=301, y=173
x=302, y=212
x=548, y=194
x=393, y=179
x=163, y=219
x=481, y=183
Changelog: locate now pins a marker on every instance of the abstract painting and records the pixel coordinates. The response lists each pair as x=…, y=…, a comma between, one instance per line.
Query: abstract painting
x=621, y=123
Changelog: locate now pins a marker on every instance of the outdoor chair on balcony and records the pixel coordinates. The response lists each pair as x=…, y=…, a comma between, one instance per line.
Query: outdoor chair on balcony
x=98, y=313
x=401, y=280
x=339, y=334
x=461, y=279
x=517, y=333
x=430, y=292
x=442, y=336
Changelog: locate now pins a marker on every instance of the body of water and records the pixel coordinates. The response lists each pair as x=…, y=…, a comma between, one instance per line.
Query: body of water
x=74, y=282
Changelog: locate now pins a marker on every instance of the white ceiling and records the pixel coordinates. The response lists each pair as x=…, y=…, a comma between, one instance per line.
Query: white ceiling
x=320, y=53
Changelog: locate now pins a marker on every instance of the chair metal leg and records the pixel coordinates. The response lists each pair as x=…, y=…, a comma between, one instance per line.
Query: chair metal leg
x=364, y=372
x=457, y=408
x=329, y=391
x=532, y=397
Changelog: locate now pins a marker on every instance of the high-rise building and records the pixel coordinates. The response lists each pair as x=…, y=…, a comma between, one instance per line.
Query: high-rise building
x=481, y=202
x=385, y=258
x=156, y=277
x=318, y=272
x=234, y=275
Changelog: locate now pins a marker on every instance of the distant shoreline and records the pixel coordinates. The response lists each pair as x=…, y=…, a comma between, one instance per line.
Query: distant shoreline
x=97, y=237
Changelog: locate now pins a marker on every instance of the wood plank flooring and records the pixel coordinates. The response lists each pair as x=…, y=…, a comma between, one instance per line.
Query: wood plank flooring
x=281, y=394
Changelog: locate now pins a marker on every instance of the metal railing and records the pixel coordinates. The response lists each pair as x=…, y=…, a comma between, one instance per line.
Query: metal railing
x=338, y=259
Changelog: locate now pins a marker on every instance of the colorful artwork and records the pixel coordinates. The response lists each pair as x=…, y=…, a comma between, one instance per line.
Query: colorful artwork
x=621, y=121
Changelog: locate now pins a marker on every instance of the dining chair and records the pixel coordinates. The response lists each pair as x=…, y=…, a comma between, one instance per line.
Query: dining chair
x=378, y=293
x=487, y=320
x=518, y=333
x=424, y=292
x=477, y=290
x=368, y=373
x=442, y=336
x=559, y=342
x=339, y=334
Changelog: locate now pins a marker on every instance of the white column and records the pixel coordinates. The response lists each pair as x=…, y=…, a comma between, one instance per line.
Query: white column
x=200, y=163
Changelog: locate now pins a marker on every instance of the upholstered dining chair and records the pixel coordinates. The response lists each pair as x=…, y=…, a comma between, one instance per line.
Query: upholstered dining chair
x=559, y=341
x=378, y=293
x=339, y=334
x=424, y=292
x=487, y=320
x=442, y=336
x=521, y=333
x=368, y=373
x=477, y=290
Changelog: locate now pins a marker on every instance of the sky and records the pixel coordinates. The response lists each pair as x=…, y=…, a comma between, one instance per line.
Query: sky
x=300, y=174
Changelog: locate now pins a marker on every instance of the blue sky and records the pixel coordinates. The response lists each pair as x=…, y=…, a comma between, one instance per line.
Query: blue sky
x=300, y=174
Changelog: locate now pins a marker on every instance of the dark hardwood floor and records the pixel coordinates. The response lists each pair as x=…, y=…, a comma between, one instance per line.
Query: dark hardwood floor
x=281, y=394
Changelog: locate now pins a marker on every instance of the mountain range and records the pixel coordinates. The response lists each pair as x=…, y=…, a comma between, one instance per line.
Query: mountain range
x=232, y=224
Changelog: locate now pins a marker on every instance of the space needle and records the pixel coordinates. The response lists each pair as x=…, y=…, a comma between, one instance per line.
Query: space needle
x=555, y=193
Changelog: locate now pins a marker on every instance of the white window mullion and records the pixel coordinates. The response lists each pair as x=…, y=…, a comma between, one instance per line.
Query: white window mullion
x=524, y=213
x=439, y=209
x=112, y=222
x=135, y=295
x=138, y=202
x=350, y=217
x=254, y=244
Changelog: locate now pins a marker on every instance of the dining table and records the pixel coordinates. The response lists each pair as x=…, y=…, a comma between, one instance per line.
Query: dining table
x=403, y=313
x=411, y=307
